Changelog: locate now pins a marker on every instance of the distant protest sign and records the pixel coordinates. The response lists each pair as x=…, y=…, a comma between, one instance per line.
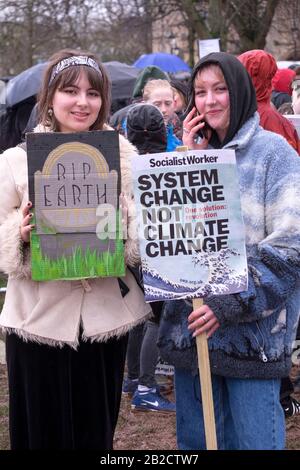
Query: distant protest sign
x=206, y=46
x=191, y=230
x=74, y=185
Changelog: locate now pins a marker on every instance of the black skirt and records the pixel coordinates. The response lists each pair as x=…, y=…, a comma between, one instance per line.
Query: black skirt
x=60, y=398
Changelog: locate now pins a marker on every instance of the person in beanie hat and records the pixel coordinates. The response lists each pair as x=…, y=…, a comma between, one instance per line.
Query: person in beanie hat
x=152, y=72
x=146, y=128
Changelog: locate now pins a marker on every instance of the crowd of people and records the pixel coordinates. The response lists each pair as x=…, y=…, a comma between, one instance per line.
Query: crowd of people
x=66, y=347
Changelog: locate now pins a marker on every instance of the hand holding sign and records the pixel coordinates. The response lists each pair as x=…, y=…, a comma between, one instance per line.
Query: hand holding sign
x=26, y=226
x=203, y=320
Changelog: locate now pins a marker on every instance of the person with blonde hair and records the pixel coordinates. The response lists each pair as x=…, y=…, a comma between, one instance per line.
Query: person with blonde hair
x=160, y=93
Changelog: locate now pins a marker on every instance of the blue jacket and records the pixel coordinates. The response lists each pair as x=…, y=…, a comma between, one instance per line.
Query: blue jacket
x=258, y=326
x=172, y=140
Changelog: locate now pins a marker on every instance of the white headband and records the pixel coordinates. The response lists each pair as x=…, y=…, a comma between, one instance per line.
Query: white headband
x=74, y=60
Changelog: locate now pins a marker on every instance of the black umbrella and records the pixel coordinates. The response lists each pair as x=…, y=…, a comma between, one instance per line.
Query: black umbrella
x=24, y=85
x=28, y=82
x=123, y=78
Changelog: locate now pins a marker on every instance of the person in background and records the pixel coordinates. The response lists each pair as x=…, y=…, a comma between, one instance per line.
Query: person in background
x=160, y=94
x=118, y=119
x=296, y=110
x=13, y=122
x=285, y=109
x=281, y=87
x=65, y=340
x=152, y=72
x=146, y=130
x=293, y=66
x=296, y=92
x=262, y=67
x=250, y=334
x=180, y=96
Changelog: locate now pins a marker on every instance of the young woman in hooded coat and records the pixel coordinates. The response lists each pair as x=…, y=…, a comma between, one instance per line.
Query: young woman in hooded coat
x=250, y=334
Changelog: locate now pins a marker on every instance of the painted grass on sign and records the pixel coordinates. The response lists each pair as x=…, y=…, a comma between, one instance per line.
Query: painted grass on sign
x=80, y=264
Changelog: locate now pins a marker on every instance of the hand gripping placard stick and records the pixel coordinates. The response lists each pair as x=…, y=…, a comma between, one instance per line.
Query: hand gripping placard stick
x=206, y=387
x=205, y=377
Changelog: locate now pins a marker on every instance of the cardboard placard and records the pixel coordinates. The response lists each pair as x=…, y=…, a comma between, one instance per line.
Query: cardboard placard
x=191, y=230
x=74, y=185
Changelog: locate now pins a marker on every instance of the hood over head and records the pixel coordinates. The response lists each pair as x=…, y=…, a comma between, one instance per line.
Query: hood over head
x=261, y=67
x=241, y=92
x=152, y=72
x=282, y=80
x=180, y=86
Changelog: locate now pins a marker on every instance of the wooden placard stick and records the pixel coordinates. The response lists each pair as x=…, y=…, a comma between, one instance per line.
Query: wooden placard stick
x=205, y=377
x=206, y=387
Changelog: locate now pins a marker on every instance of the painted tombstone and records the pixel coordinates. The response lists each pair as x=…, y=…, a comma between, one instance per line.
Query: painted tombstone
x=74, y=185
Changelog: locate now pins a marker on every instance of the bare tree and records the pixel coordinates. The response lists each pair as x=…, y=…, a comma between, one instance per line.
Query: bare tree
x=252, y=20
x=128, y=30
x=31, y=30
x=125, y=30
x=240, y=24
x=286, y=30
